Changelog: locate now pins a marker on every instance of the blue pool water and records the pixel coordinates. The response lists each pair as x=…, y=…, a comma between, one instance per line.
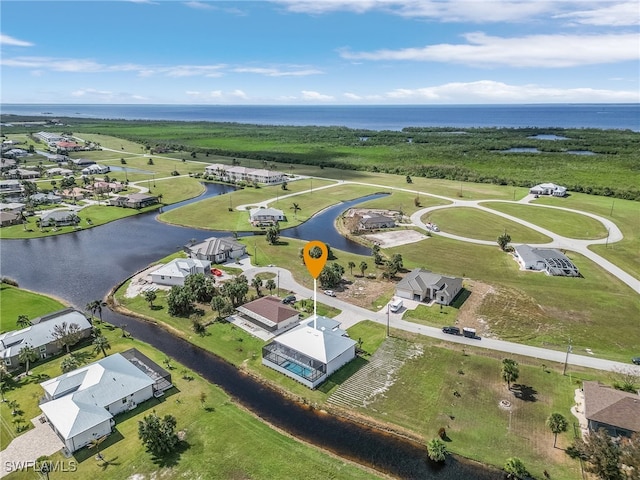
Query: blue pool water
x=297, y=369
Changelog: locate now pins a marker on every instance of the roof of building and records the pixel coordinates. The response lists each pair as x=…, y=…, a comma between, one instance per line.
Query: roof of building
x=557, y=262
x=214, y=245
x=420, y=279
x=323, y=345
x=611, y=407
x=268, y=310
x=373, y=219
x=12, y=205
x=39, y=333
x=269, y=212
x=58, y=215
x=80, y=396
x=181, y=267
x=8, y=216
x=139, y=196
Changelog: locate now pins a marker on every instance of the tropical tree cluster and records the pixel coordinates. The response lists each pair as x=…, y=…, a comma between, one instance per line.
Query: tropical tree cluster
x=331, y=275
x=158, y=434
x=609, y=458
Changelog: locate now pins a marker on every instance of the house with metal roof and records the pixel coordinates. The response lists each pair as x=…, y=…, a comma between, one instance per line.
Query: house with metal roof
x=425, y=286
x=269, y=313
x=265, y=216
x=216, y=250
x=550, y=261
x=80, y=405
x=311, y=352
x=59, y=218
x=616, y=411
x=39, y=335
x=176, y=271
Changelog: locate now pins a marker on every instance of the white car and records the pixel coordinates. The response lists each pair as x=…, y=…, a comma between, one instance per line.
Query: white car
x=330, y=293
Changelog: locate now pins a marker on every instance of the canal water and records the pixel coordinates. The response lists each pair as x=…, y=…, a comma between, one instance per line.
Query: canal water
x=83, y=266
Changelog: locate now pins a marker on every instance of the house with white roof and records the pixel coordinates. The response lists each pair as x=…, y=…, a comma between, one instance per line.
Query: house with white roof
x=425, y=286
x=216, y=250
x=548, y=260
x=39, y=335
x=311, y=352
x=265, y=216
x=8, y=187
x=80, y=405
x=244, y=174
x=95, y=169
x=176, y=271
x=548, y=189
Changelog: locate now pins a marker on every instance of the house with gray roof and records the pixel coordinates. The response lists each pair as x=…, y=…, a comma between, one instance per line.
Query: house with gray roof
x=550, y=261
x=81, y=405
x=45, y=198
x=8, y=187
x=216, y=250
x=265, y=216
x=549, y=189
x=425, y=286
x=39, y=335
x=176, y=271
x=310, y=352
x=7, y=219
x=616, y=411
x=59, y=218
x=374, y=222
x=134, y=200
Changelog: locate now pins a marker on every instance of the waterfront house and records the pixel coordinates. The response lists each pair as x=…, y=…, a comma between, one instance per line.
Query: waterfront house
x=176, y=271
x=81, y=162
x=310, y=352
x=374, y=222
x=548, y=260
x=59, y=218
x=134, y=200
x=425, y=286
x=7, y=219
x=269, y=313
x=95, y=169
x=12, y=207
x=616, y=411
x=216, y=250
x=39, y=335
x=265, y=216
x=80, y=405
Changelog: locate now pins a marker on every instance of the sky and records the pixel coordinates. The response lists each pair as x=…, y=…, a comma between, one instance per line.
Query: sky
x=320, y=52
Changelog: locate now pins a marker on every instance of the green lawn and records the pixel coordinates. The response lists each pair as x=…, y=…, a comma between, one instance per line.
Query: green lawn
x=567, y=224
x=16, y=301
x=473, y=223
x=433, y=316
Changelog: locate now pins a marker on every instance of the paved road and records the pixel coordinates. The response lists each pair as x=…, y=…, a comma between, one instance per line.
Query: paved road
x=352, y=314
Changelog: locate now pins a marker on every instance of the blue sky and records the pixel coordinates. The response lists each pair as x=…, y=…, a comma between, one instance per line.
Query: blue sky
x=320, y=52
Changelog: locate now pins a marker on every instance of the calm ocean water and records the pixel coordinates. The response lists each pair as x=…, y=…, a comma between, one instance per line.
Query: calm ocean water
x=600, y=116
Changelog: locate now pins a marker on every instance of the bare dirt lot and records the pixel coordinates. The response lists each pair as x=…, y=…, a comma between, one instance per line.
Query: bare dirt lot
x=363, y=291
x=395, y=238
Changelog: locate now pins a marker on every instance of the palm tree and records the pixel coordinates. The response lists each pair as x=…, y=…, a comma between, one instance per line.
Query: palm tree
x=557, y=424
x=437, y=450
x=69, y=363
x=270, y=285
x=27, y=355
x=95, y=443
x=101, y=344
x=256, y=283
x=510, y=371
x=217, y=304
x=295, y=207
x=23, y=321
x=351, y=266
x=363, y=267
x=4, y=378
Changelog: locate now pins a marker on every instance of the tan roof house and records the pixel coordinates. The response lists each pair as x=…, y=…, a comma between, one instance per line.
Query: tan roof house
x=270, y=314
x=616, y=411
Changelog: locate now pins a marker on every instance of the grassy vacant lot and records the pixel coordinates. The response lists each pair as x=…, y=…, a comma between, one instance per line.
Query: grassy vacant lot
x=474, y=223
x=15, y=301
x=624, y=213
x=222, y=440
x=460, y=390
x=537, y=309
x=567, y=224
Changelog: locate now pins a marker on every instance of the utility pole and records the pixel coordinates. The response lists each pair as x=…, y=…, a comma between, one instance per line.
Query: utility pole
x=387, y=320
x=566, y=358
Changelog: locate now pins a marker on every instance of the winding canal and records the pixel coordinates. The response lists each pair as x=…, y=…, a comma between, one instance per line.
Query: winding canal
x=83, y=266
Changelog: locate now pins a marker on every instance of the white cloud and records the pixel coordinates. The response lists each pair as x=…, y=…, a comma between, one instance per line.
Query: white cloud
x=612, y=14
x=488, y=91
x=316, y=96
x=199, y=5
x=540, y=51
x=217, y=95
x=276, y=72
x=239, y=94
x=7, y=40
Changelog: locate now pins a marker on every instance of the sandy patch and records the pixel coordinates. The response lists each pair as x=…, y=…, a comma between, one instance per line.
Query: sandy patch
x=395, y=238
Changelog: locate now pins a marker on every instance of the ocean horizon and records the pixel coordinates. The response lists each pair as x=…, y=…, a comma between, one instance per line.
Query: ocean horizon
x=604, y=116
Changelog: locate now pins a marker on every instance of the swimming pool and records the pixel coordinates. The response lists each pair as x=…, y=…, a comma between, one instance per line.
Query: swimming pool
x=298, y=369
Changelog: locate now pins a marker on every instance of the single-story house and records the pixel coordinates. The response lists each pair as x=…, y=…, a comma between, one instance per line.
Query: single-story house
x=80, y=405
x=177, y=270
x=10, y=186
x=134, y=200
x=269, y=313
x=310, y=352
x=265, y=216
x=65, y=146
x=7, y=219
x=75, y=193
x=7, y=163
x=550, y=261
x=49, y=137
x=45, y=198
x=373, y=222
x=65, y=172
x=548, y=189
x=425, y=286
x=12, y=207
x=22, y=174
x=216, y=250
x=39, y=335
x=81, y=162
x=105, y=187
x=95, y=169
x=59, y=218
x=15, y=153
x=616, y=411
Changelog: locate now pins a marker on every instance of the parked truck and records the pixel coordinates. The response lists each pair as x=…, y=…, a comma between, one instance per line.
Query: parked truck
x=469, y=332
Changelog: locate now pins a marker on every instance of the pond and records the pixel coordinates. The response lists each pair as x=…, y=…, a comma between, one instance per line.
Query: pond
x=545, y=136
x=83, y=266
